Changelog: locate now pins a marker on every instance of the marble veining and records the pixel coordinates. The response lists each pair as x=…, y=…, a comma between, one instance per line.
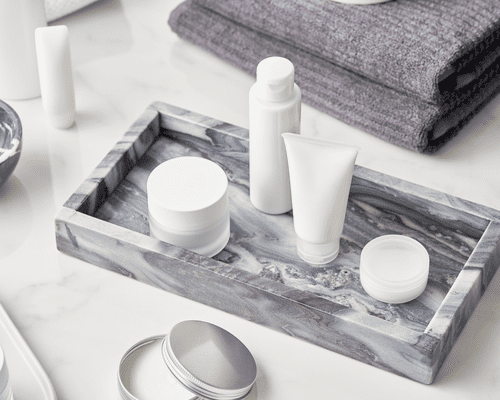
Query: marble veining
x=265, y=245
x=259, y=275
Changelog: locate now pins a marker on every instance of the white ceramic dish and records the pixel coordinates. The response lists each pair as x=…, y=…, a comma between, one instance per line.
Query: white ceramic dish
x=26, y=376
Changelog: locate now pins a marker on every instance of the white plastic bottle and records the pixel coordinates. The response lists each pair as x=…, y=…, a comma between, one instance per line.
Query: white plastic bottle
x=18, y=66
x=274, y=109
x=56, y=75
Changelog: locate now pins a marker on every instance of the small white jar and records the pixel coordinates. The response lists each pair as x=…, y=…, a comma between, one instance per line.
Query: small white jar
x=188, y=204
x=5, y=388
x=394, y=268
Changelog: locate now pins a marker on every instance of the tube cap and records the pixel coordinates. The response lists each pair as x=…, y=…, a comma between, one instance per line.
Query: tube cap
x=315, y=253
x=275, y=77
x=394, y=268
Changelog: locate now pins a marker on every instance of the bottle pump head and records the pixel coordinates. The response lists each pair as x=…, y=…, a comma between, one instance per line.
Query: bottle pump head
x=275, y=78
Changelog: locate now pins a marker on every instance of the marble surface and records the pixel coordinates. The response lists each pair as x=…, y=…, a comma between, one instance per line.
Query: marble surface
x=79, y=319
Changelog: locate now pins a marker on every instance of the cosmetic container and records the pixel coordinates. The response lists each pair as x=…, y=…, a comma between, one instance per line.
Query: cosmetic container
x=320, y=175
x=394, y=268
x=56, y=75
x=18, y=66
x=195, y=359
x=274, y=108
x=188, y=204
x=5, y=388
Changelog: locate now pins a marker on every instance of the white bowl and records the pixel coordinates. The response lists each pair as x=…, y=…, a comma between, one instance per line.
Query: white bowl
x=10, y=141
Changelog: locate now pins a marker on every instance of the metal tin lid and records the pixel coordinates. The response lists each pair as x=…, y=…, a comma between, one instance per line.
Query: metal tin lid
x=202, y=359
x=394, y=268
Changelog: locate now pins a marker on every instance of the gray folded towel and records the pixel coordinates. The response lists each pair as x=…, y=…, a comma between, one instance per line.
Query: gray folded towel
x=405, y=120
x=431, y=48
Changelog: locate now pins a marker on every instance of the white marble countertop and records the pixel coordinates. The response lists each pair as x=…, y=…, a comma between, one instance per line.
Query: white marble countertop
x=79, y=319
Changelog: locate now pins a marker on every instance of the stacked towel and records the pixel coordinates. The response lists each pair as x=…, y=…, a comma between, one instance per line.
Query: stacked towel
x=412, y=72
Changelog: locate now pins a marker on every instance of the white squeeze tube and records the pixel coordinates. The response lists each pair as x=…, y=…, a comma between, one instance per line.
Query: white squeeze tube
x=320, y=178
x=56, y=75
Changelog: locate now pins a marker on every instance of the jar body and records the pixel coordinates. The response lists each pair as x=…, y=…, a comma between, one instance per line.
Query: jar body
x=269, y=176
x=207, y=241
x=188, y=204
x=18, y=64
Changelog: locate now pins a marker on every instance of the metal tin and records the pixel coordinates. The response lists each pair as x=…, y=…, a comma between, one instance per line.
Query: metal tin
x=195, y=359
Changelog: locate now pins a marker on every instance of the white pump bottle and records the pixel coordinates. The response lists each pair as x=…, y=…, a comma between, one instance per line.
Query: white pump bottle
x=274, y=109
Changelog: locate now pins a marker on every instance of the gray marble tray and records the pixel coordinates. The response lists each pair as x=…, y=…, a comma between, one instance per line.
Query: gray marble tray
x=259, y=276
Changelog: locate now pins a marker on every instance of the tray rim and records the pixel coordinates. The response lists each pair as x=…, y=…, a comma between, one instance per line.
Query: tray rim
x=20, y=356
x=435, y=341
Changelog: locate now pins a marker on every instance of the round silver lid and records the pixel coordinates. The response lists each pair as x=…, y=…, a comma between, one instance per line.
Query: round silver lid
x=209, y=361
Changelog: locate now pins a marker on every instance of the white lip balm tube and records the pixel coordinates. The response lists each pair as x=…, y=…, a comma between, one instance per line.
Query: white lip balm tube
x=56, y=75
x=320, y=179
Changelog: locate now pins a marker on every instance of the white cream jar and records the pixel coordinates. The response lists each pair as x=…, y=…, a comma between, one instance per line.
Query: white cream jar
x=188, y=204
x=394, y=268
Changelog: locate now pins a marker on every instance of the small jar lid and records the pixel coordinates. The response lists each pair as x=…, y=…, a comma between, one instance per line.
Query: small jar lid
x=187, y=193
x=394, y=268
x=203, y=359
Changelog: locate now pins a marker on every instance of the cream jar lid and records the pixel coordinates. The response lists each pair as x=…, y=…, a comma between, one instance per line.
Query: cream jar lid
x=187, y=193
x=196, y=357
x=394, y=268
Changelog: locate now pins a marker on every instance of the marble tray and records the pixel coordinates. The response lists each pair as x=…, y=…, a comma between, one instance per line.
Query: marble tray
x=259, y=277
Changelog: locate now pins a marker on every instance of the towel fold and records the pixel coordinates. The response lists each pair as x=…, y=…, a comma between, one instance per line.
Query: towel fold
x=434, y=49
x=393, y=115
